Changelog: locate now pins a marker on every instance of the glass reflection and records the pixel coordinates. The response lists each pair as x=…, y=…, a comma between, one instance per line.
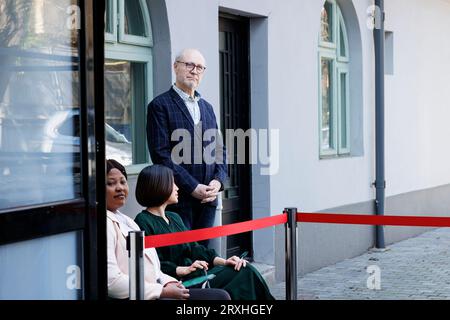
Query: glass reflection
x=326, y=22
x=121, y=93
x=134, y=18
x=343, y=113
x=39, y=103
x=327, y=134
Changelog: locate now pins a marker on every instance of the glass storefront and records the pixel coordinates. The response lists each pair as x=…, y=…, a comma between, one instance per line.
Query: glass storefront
x=56, y=272
x=39, y=102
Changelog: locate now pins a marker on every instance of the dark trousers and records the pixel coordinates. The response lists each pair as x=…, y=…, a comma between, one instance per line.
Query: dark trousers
x=208, y=294
x=195, y=215
x=200, y=294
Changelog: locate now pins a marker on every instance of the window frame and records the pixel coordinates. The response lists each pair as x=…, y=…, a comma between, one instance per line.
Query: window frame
x=340, y=65
x=334, y=34
x=132, y=39
x=139, y=50
x=339, y=71
x=341, y=27
x=332, y=149
x=112, y=36
x=87, y=213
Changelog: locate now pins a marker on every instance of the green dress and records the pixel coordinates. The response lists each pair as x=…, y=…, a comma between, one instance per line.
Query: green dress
x=246, y=284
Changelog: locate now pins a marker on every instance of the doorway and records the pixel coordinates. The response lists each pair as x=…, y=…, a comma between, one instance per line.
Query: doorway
x=235, y=114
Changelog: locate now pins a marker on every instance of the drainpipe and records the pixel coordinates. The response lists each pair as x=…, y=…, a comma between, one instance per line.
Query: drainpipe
x=380, y=183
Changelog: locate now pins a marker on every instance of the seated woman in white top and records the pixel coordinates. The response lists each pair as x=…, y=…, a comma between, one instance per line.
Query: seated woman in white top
x=158, y=285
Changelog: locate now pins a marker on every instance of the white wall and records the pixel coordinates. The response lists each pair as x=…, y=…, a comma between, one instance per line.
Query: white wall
x=418, y=96
x=304, y=180
x=417, y=105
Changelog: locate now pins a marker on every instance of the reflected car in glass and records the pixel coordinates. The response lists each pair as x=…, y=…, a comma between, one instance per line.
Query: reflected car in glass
x=62, y=135
x=40, y=157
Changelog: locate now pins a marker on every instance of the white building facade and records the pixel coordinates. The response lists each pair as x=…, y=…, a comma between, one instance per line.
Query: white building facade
x=289, y=75
x=304, y=69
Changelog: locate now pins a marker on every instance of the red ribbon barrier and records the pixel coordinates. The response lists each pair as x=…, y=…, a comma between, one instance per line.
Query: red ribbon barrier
x=169, y=239
x=413, y=221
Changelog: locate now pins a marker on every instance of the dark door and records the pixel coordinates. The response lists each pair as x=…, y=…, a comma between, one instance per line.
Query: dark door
x=235, y=114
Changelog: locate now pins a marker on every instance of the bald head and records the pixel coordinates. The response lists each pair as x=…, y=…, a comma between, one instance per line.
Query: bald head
x=189, y=54
x=188, y=70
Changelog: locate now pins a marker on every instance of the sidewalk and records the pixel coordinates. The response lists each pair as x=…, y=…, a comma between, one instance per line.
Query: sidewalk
x=417, y=268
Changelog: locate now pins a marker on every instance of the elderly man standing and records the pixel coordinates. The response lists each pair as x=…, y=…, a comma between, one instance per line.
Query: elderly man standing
x=176, y=125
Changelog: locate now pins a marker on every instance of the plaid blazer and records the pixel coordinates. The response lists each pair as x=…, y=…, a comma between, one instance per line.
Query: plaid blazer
x=167, y=113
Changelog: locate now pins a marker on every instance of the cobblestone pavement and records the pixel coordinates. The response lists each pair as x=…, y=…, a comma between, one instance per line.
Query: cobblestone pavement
x=416, y=268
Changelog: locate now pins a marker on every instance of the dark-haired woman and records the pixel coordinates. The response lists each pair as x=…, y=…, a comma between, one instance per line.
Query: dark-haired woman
x=155, y=190
x=157, y=284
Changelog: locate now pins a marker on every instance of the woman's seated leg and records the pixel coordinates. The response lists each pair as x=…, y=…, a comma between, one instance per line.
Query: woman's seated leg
x=208, y=294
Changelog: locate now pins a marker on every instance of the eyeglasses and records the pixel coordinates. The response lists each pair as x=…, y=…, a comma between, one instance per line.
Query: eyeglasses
x=191, y=66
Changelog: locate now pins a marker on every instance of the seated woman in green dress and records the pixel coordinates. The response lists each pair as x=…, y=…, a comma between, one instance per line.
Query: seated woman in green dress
x=155, y=190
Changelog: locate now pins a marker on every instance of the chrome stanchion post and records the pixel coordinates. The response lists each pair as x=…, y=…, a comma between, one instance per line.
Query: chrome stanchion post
x=135, y=247
x=291, y=253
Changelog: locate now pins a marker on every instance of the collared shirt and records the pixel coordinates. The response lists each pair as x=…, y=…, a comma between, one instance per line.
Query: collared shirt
x=123, y=223
x=191, y=103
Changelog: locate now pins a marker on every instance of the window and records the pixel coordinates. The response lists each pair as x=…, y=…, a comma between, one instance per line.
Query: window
x=39, y=89
x=128, y=81
x=49, y=204
x=334, y=121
